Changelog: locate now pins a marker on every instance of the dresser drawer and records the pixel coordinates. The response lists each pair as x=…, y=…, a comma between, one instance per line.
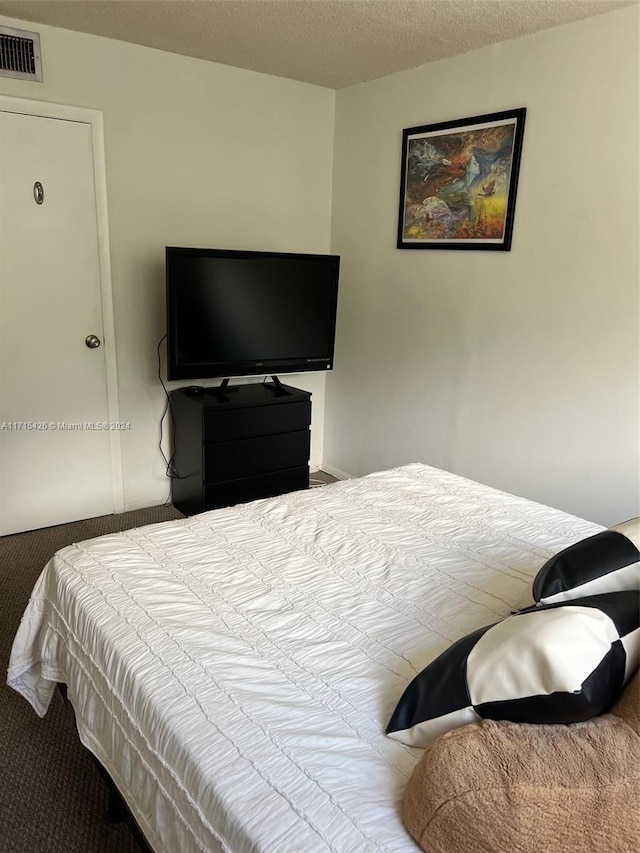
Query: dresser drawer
x=248, y=422
x=251, y=456
x=252, y=488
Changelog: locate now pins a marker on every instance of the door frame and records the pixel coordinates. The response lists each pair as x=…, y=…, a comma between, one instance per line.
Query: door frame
x=94, y=119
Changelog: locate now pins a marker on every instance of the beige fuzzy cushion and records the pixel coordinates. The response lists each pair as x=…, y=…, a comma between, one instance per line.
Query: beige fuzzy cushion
x=498, y=787
x=628, y=705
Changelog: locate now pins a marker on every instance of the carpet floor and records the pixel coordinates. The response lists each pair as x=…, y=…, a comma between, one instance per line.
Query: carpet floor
x=52, y=797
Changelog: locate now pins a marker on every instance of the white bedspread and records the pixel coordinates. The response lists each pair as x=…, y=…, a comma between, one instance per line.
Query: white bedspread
x=234, y=671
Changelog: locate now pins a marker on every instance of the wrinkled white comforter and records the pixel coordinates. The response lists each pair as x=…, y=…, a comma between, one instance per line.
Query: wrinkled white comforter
x=234, y=671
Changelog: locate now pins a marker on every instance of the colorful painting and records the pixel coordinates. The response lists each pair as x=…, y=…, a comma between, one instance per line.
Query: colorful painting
x=459, y=181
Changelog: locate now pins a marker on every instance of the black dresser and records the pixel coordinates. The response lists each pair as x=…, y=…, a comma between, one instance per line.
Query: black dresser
x=239, y=443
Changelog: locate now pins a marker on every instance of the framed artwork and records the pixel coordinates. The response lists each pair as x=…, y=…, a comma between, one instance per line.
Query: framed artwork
x=458, y=182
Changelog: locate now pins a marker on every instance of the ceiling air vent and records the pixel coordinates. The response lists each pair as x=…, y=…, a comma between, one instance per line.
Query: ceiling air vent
x=20, y=54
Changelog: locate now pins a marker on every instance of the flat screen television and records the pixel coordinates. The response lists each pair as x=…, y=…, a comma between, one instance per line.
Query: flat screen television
x=239, y=313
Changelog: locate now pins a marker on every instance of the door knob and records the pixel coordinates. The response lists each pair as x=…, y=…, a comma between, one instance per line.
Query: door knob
x=92, y=341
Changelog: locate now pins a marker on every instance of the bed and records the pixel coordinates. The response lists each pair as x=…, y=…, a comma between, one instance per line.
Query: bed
x=234, y=671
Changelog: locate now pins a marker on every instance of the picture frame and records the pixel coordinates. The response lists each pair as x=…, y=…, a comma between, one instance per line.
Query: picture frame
x=459, y=181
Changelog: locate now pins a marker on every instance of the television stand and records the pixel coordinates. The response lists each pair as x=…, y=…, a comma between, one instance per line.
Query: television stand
x=221, y=390
x=279, y=389
x=237, y=448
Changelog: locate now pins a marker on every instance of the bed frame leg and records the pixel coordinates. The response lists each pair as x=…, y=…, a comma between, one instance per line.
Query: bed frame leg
x=116, y=809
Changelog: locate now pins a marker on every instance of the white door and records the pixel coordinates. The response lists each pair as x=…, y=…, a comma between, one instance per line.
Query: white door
x=55, y=457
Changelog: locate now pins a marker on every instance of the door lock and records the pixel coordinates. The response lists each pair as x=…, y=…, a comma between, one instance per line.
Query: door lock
x=92, y=341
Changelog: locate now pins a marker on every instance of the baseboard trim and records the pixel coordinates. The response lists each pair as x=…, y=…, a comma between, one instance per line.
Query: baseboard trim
x=146, y=504
x=336, y=472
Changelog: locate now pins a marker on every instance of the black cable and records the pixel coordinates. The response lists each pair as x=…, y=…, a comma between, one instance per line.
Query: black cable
x=170, y=470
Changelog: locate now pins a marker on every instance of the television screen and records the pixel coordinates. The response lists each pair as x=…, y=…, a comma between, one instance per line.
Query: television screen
x=237, y=313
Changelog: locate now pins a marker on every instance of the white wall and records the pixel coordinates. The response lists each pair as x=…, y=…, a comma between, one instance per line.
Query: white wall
x=197, y=154
x=517, y=369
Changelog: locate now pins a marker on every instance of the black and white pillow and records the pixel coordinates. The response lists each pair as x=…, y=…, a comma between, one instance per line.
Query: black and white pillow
x=606, y=562
x=556, y=663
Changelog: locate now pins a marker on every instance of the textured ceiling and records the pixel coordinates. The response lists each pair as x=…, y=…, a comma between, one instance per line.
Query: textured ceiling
x=335, y=43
